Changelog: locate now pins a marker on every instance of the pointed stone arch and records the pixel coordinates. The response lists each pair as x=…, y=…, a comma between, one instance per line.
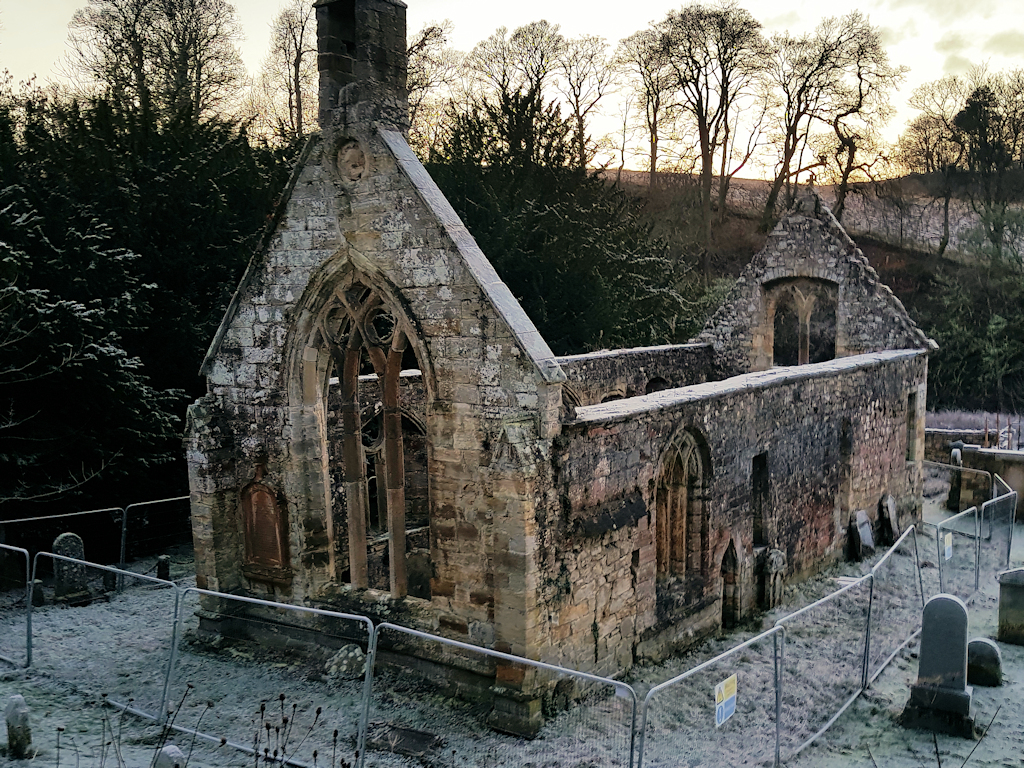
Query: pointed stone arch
x=352, y=323
x=731, y=586
x=681, y=509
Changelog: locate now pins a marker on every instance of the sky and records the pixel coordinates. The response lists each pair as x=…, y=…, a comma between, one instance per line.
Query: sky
x=931, y=37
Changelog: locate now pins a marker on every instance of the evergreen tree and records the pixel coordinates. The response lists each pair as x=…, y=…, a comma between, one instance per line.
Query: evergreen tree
x=574, y=250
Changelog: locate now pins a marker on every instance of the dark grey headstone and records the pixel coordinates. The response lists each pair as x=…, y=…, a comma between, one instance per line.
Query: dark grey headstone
x=1011, y=607
x=163, y=567
x=867, y=538
x=984, y=663
x=942, y=670
x=19, y=732
x=69, y=578
x=889, y=520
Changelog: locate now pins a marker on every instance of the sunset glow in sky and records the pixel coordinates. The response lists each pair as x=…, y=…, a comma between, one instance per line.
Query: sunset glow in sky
x=931, y=37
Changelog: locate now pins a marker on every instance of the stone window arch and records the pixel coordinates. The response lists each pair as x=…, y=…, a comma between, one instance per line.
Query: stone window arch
x=802, y=320
x=731, y=587
x=682, y=526
x=365, y=332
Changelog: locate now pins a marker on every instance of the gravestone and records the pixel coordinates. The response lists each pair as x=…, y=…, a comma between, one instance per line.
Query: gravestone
x=69, y=578
x=941, y=698
x=1011, y=607
x=163, y=567
x=19, y=732
x=984, y=663
x=862, y=540
x=889, y=524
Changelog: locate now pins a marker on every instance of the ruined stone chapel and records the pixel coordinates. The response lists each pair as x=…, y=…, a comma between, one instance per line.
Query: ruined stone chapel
x=386, y=433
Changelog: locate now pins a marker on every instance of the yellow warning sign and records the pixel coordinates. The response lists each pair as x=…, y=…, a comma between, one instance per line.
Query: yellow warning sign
x=725, y=700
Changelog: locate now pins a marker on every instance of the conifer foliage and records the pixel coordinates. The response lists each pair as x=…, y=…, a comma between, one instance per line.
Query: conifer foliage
x=120, y=242
x=574, y=250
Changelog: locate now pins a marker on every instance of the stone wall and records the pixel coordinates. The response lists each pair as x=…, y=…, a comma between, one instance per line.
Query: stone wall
x=809, y=245
x=614, y=374
x=599, y=554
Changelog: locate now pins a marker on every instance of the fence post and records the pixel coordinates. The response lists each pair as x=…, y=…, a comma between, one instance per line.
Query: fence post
x=867, y=633
x=364, y=716
x=780, y=650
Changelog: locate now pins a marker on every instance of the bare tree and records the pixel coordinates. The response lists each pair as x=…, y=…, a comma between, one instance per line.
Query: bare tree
x=643, y=59
x=812, y=77
x=435, y=71
x=713, y=53
x=176, y=58
x=289, y=71
x=524, y=59
x=586, y=75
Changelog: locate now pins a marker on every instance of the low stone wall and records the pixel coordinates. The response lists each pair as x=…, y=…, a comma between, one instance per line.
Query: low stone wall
x=937, y=442
x=1009, y=465
x=612, y=375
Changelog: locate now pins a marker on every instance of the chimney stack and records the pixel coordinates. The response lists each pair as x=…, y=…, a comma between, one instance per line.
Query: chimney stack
x=362, y=61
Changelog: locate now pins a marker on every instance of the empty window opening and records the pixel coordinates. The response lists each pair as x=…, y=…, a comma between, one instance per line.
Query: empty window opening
x=760, y=497
x=681, y=518
x=912, y=427
x=730, y=588
x=657, y=384
x=803, y=316
x=378, y=454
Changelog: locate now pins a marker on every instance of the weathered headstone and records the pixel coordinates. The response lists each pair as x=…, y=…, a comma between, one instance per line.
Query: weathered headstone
x=69, y=578
x=19, y=732
x=889, y=524
x=984, y=663
x=775, y=578
x=861, y=538
x=169, y=757
x=941, y=698
x=867, y=538
x=163, y=567
x=1011, y=607
x=38, y=596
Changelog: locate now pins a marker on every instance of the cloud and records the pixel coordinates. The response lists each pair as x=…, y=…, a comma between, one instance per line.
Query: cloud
x=952, y=43
x=891, y=36
x=1008, y=43
x=950, y=10
x=783, y=21
x=956, y=65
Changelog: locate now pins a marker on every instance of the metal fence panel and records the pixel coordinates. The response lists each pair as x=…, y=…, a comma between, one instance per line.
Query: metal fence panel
x=15, y=623
x=956, y=541
x=150, y=526
x=689, y=720
x=996, y=522
x=445, y=712
x=280, y=677
x=122, y=663
x=897, y=599
x=823, y=663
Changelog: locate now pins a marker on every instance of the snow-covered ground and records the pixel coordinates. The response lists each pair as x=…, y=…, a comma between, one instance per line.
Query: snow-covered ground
x=117, y=649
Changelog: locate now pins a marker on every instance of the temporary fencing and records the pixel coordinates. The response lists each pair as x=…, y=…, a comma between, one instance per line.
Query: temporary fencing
x=590, y=719
x=996, y=524
x=153, y=524
x=111, y=629
x=323, y=680
x=295, y=705
x=721, y=712
x=897, y=599
x=15, y=624
x=824, y=654
x=956, y=542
